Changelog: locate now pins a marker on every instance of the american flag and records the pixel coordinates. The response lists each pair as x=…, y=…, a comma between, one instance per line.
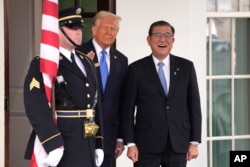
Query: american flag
x=49, y=58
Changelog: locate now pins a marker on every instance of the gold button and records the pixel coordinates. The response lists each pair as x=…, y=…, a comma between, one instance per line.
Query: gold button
x=88, y=95
x=88, y=106
x=87, y=84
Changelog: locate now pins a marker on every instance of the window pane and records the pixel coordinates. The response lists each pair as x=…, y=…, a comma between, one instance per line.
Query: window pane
x=245, y=5
x=89, y=5
x=66, y=4
x=220, y=29
x=242, y=145
x=228, y=5
x=242, y=55
x=211, y=5
x=221, y=151
x=87, y=30
x=242, y=107
x=221, y=114
x=221, y=57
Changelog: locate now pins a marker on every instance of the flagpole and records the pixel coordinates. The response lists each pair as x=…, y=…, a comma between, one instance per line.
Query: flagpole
x=49, y=60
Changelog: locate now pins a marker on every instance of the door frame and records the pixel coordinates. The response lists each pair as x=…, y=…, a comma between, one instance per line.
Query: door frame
x=6, y=86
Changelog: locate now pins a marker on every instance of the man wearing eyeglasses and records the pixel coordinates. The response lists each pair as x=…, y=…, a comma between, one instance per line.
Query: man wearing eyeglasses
x=165, y=128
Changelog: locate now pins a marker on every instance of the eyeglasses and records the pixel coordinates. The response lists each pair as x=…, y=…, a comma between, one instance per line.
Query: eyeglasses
x=158, y=35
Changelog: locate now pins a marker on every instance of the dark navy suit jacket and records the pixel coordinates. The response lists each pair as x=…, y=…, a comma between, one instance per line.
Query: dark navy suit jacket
x=111, y=96
x=159, y=117
x=68, y=131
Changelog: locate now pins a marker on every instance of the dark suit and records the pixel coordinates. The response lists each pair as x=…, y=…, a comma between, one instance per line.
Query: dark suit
x=110, y=98
x=78, y=95
x=160, y=118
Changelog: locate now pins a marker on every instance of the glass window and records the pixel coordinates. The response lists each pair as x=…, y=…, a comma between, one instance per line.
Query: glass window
x=227, y=5
x=87, y=30
x=228, y=79
x=242, y=107
x=211, y=5
x=241, y=55
x=66, y=4
x=221, y=109
x=242, y=145
x=89, y=5
x=219, y=46
x=220, y=153
x=245, y=5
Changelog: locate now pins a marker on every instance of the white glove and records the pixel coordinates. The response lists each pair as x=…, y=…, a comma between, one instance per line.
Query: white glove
x=99, y=156
x=54, y=157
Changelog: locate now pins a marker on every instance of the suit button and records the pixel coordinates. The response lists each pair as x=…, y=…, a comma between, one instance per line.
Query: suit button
x=167, y=107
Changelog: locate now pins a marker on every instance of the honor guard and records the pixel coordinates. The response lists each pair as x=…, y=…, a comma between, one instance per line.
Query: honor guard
x=76, y=137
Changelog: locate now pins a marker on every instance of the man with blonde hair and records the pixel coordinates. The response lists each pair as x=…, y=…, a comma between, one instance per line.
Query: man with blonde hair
x=111, y=72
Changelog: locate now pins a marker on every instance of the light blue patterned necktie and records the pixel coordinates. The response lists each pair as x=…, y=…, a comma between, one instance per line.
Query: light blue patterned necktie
x=103, y=69
x=162, y=77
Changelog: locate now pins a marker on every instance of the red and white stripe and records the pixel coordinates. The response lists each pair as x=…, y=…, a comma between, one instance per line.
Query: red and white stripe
x=49, y=59
x=49, y=48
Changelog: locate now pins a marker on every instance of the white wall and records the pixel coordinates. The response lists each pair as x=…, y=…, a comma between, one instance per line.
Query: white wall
x=189, y=19
x=2, y=84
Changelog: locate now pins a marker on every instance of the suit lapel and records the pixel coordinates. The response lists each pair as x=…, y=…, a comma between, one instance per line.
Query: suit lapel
x=113, y=68
x=174, y=69
x=113, y=65
x=63, y=61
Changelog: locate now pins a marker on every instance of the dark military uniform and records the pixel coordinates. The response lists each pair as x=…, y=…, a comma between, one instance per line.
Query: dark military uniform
x=75, y=92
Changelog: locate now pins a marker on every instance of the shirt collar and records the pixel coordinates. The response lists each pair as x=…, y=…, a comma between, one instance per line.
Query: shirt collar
x=67, y=53
x=166, y=61
x=98, y=49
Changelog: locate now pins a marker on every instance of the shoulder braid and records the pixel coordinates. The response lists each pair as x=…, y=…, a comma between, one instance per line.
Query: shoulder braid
x=81, y=53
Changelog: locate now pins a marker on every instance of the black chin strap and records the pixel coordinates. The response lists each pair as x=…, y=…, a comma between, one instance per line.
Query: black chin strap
x=69, y=38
